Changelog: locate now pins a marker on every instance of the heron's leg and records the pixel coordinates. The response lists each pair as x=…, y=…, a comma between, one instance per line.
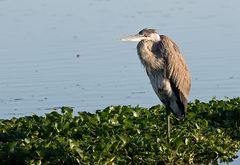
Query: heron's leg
x=168, y=122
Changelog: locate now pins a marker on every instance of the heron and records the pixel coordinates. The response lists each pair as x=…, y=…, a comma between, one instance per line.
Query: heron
x=166, y=69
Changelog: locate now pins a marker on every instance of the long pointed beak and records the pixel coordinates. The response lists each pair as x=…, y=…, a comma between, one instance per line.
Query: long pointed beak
x=136, y=37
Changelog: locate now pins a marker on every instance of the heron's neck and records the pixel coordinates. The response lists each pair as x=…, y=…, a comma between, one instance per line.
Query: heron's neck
x=149, y=54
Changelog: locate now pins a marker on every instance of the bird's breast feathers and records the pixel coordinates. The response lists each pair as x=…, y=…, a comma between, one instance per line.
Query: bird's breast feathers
x=150, y=59
x=160, y=84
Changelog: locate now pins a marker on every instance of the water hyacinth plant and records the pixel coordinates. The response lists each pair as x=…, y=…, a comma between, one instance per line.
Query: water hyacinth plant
x=210, y=133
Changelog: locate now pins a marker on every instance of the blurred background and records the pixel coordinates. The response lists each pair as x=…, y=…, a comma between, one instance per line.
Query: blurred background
x=68, y=53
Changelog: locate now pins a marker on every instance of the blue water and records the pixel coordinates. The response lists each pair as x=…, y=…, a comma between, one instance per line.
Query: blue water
x=55, y=53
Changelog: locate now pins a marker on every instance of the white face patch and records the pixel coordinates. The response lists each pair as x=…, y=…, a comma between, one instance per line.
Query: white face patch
x=154, y=37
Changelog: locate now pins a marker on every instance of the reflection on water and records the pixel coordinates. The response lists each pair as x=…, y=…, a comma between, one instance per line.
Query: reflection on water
x=61, y=53
x=68, y=53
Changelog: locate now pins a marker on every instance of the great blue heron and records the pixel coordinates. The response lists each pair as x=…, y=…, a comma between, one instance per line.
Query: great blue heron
x=166, y=70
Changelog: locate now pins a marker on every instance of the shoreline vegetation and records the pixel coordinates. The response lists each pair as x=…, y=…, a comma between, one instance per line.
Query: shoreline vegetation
x=210, y=133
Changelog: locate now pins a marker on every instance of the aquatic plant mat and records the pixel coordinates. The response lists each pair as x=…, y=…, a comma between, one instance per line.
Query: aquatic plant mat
x=210, y=133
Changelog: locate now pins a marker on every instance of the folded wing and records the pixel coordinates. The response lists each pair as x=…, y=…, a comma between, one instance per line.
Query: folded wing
x=176, y=70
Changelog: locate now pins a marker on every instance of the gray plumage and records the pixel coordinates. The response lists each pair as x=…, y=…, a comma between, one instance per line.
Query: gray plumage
x=166, y=69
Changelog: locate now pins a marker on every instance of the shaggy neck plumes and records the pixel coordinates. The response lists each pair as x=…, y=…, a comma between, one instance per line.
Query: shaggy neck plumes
x=147, y=51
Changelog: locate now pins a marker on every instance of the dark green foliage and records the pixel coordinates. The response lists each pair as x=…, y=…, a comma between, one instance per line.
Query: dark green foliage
x=124, y=135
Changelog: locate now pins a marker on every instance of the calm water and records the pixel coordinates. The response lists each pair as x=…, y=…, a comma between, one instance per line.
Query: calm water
x=55, y=53
x=67, y=53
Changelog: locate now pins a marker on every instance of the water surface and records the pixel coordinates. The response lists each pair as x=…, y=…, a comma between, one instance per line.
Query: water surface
x=67, y=53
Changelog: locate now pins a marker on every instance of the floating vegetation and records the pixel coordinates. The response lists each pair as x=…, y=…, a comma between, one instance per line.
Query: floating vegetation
x=124, y=135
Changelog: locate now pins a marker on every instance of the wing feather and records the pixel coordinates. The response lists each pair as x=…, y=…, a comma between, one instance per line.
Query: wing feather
x=176, y=69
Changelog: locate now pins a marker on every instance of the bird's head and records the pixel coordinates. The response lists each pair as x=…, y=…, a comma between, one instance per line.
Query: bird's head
x=145, y=34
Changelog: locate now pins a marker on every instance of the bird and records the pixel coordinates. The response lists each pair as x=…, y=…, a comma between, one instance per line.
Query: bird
x=167, y=70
